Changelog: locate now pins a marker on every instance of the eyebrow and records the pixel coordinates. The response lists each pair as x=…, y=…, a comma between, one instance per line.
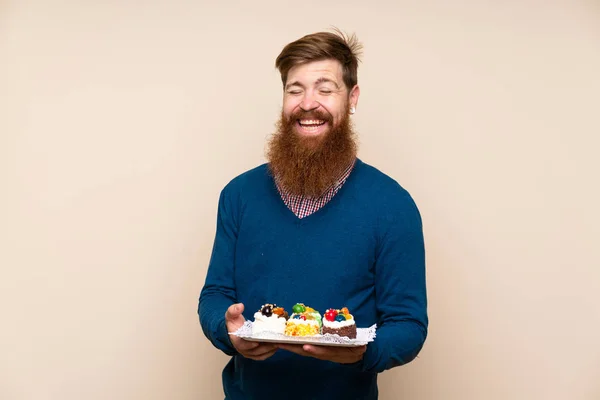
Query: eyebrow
x=317, y=82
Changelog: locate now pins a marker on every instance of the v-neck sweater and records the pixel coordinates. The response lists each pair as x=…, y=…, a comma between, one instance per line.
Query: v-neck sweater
x=363, y=250
x=303, y=206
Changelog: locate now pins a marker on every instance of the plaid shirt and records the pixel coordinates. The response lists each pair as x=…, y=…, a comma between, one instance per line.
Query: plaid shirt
x=304, y=206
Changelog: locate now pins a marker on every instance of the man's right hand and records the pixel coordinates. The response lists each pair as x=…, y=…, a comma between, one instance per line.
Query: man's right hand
x=253, y=350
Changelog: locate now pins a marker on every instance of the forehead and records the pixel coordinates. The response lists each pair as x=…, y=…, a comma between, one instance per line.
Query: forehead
x=311, y=72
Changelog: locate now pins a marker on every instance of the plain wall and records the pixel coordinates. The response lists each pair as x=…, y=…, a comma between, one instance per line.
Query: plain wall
x=121, y=121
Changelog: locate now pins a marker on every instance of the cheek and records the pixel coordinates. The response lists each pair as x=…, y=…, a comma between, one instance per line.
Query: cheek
x=335, y=113
x=289, y=106
x=335, y=108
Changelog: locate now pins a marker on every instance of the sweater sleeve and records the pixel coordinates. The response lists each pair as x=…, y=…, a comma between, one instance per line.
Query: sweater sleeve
x=218, y=292
x=400, y=289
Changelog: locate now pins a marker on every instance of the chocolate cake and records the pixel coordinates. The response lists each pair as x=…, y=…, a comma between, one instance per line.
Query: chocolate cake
x=339, y=322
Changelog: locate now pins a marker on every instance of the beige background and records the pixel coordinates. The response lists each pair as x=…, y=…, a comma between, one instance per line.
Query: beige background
x=121, y=121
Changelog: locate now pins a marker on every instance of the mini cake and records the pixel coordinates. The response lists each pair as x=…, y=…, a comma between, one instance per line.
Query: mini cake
x=339, y=322
x=270, y=318
x=304, y=321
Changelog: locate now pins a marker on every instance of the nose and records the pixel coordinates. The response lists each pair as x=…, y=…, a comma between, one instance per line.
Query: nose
x=308, y=102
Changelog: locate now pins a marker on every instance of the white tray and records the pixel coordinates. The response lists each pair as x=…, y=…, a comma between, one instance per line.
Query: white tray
x=363, y=336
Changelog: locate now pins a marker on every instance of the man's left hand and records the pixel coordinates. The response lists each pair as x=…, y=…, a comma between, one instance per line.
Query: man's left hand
x=342, y=355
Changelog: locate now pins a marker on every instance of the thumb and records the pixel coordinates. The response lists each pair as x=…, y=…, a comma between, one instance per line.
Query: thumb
x=234, y=312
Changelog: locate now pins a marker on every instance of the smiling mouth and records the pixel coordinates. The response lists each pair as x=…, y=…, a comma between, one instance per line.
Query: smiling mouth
x=311, y=125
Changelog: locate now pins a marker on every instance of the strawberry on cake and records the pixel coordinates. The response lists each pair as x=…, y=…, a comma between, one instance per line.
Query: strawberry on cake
x=339, y=322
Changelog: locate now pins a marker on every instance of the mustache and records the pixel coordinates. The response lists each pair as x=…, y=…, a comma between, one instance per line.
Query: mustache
x=312, y=114
x=308, y=166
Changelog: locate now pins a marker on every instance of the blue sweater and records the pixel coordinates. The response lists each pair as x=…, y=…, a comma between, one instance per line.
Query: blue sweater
x=363, y=250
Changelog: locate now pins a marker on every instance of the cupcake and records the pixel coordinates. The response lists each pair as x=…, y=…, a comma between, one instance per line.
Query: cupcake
x=304, y=321
x=339, y=322
x=270, y=318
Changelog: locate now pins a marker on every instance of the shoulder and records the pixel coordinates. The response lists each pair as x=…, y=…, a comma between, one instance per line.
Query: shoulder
x=254, y=176
x=389, y=197
x=375, y=181
x=376, y=175
x=247, y=184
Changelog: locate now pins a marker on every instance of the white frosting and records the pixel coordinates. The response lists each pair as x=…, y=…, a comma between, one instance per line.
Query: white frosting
x=338, y=324
x=262, y=323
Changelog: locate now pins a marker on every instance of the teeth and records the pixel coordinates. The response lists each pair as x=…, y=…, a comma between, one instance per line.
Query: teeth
x=311, y=122
x=310, y=128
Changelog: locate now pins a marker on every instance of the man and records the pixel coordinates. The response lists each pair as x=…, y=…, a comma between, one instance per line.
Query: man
x=316, y=225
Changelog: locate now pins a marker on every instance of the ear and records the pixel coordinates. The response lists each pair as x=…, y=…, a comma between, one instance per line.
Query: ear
x=353, y=97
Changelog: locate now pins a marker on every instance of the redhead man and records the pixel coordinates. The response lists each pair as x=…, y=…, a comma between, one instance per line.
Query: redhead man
x=316, y=224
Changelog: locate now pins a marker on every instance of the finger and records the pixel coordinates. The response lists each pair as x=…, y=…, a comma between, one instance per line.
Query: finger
x=234, y=312
x=244, y=345
x=293, y=348
x=330, y=350
x=358, y=350
x=323, y=353
x=313, y=351
x=337, y=354
x=260, y=350
x=263, y=356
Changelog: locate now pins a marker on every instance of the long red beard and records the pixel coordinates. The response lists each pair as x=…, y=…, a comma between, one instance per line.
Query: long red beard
x=308, y=166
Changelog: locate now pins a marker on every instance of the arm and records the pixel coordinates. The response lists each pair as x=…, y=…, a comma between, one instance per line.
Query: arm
x=219, y=292
x=400, y=296
x=400, y=289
